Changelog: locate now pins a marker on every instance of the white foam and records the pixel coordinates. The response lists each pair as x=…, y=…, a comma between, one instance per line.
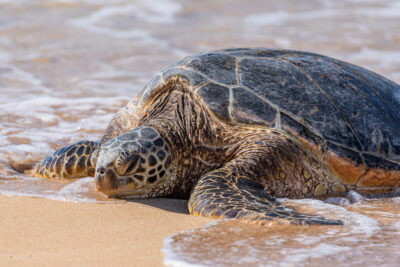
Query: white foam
x=282, y=17
x=295, y=256
x=172, y=257
x=282, y=42
x=173, y=254
x=263, y=19
x=380, y=57
x=51, y=196
x=13, y=72
x=4, y=56
x=89, y=2
x=359, y=224
x=341, y=201
x=391, y=11
x=81, y=190
x=307, y=240
x=39, y=106
x=89, y=24
x=79, y=186
x=155, y=11
x=159, y=11
x=108, y=72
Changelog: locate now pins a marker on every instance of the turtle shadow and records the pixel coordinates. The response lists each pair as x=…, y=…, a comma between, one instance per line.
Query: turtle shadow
x=168, y=204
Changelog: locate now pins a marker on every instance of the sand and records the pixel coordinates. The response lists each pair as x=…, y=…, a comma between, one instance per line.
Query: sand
x=41, y=232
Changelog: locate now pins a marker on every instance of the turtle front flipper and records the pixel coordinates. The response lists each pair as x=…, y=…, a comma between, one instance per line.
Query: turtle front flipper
x=73, y=161
x=222, y=195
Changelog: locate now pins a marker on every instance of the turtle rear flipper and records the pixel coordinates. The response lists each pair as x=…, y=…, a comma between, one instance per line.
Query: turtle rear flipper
x=73, y=161
x=222, y=195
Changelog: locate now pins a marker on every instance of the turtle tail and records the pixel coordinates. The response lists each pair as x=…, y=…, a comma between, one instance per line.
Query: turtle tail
x=73, y=161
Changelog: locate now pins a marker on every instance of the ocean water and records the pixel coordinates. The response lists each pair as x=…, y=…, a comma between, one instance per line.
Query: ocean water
x=369, y=237
x=66, y=66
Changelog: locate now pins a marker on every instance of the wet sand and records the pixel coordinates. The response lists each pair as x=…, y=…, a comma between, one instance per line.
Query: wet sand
x=41, y=232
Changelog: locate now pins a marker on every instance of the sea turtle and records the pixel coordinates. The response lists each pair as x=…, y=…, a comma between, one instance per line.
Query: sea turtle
x=234, y=128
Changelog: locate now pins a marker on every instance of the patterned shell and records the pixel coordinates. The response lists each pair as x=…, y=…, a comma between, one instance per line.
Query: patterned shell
x=346, y=109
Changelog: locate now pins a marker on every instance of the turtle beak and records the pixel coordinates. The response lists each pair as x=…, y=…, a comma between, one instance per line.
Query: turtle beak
x=106, y=181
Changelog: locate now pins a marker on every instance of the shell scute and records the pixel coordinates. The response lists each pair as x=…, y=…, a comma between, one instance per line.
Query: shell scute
x=218, y=67
x=250, y=109
x=295, y=127
x=217, y=98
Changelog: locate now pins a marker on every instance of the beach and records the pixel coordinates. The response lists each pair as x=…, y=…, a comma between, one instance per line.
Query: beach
x=42, y=232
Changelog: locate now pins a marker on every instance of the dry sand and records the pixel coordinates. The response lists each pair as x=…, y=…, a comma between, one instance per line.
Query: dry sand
x=41, y=232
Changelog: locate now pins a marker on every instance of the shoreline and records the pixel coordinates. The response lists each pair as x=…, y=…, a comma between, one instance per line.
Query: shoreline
x=36, y=231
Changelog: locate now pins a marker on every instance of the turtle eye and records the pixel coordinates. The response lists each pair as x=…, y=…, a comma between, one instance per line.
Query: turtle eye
x=127, y=163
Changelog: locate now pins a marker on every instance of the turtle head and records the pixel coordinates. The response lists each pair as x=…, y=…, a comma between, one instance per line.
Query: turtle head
x=136, y=164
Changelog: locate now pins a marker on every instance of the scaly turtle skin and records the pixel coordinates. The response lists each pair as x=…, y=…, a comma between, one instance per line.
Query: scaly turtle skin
x=230, y=129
